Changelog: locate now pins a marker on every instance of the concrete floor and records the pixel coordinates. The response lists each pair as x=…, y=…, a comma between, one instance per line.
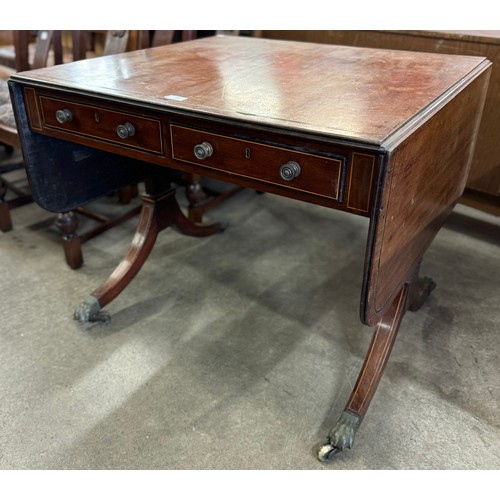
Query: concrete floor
x=239, y=351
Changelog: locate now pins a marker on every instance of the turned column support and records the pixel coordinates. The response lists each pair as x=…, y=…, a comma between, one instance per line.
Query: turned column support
x=196, y=196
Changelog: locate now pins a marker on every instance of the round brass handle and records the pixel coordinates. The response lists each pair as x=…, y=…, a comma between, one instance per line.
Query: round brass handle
x=290, y=171
x=203, y=150
x=64, y=115
x=125, y=131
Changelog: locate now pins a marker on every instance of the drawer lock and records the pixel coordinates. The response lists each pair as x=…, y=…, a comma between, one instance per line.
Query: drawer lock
x=290, y=171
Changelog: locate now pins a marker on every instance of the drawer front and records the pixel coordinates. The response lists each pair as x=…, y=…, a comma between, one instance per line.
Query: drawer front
x=305, y=171
x=125, y=129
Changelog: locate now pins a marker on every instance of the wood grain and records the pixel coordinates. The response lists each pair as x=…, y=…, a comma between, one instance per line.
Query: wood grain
x=360, y=95
x=484, y=174
x=425, y=176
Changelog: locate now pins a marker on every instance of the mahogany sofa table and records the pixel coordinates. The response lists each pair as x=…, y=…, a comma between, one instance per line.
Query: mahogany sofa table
x=382, y=134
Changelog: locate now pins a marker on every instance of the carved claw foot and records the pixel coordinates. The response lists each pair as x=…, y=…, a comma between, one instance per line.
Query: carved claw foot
x=89, y=311
x=341, y=436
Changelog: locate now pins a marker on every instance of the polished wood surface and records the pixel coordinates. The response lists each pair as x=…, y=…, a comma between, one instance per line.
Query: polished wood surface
x=387, y=135
x=320, y=175
x=332, y=175
x=101, y=124
x=484, y=176
x=296, y=86
x=425, y=177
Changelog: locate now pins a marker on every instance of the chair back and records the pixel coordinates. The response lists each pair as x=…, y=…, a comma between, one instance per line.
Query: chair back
x=116, y=42
x=157, y=38
x=45, y=41
x=83, y=42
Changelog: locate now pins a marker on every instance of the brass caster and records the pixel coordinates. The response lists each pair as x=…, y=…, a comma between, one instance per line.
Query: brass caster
x=326, y=452
x=340, y=437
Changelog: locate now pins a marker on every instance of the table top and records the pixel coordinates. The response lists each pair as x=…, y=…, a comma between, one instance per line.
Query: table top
x=356, y=94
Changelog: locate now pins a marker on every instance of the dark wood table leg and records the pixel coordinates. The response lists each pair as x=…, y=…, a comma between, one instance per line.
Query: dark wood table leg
x=6, y=206
x=5, y=219
x=196, y=197
x=412, y=296
x=202, y=198
x=67, y=223
x=159, y=211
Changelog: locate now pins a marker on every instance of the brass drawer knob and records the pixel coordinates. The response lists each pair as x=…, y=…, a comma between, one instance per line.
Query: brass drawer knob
x=125, y=131
x=290, y=171
x=203, y=150
x=64, y=115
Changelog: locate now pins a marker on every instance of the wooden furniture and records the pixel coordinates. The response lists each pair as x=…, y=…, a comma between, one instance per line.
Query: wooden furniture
x=200, y=196
x=68, y=223
x=386, y=135
x=27, y=50
x=483, y=185
x=46, y=40
x=83, y=43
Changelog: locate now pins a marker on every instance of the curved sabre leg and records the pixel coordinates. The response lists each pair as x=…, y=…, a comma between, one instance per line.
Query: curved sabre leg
x=342, y=434
x=189, y=228
x=158, y=213
x=412, y=296
x=142, y=244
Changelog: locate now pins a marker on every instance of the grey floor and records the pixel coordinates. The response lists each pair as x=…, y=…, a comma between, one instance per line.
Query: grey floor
x=239, y=351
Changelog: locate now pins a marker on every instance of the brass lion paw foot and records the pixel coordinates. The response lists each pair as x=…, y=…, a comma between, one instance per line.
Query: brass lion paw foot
x=341, y=436
x=89, y=311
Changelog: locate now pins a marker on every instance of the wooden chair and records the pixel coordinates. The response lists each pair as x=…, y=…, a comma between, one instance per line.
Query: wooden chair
x=67, y=223
x=84, y=43
x=26, y=50
x=45, y=41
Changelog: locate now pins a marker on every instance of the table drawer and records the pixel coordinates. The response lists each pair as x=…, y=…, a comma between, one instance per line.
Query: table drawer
x=103, y=124
x=305, y=170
